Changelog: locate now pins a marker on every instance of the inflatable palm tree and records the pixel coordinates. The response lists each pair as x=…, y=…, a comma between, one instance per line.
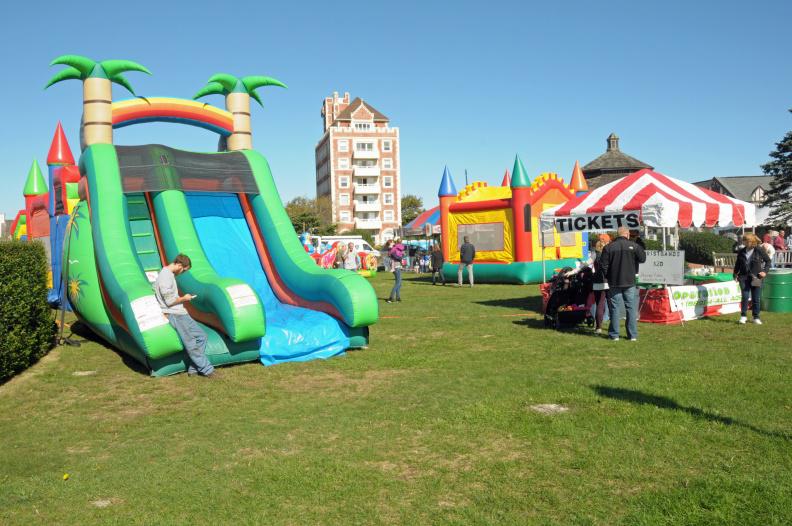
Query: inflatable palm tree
x=97, y=79
x=237, y=94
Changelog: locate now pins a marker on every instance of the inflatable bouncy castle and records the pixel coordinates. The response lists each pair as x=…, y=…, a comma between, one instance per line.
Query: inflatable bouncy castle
x=260, y=296
x=502, y=222
x=47, y=207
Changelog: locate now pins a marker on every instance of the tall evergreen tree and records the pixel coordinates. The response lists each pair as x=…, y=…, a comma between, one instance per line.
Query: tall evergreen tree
x=779, y=197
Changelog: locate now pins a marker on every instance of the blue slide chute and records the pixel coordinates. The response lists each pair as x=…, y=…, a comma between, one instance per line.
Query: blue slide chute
x=292, y=333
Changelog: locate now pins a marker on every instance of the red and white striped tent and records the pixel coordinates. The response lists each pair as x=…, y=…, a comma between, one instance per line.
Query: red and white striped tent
x=652, y=199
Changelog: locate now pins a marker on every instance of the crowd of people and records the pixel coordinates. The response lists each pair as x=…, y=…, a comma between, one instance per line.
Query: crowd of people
x=614, y=265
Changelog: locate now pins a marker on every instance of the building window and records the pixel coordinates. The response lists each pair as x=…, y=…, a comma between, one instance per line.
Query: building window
x=364, y=162
x=388, y=215
x=345, y=217
x=364, y=146
x=343, y=182
x=758, y=195
x=387, y=181
x=343, y=146
x=387, y=163
x=343, y=163
x=387, y=198
x=343, y=199
x=362, y=126
x=386, y=146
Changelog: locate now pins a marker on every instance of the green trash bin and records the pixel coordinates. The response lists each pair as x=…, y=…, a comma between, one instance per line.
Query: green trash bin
x=777, y=291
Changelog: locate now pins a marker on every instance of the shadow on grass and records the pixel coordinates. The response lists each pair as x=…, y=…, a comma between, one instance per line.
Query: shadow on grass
x=80, y=329
x=530, y=322
x=532, y=303
x=663, y=402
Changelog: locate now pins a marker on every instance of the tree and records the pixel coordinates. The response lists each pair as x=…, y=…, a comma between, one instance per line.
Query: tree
x=311, y=215
x=238, y=93
x=779, y=196
x=411, y=207
x=97, y=79
x=367, y=236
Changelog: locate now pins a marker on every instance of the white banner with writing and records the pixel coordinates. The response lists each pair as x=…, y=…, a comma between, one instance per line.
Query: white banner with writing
x=695, y=301
x=665, y=267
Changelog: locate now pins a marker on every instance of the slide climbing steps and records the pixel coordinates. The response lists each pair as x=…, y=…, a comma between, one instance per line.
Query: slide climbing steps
x=142, y=230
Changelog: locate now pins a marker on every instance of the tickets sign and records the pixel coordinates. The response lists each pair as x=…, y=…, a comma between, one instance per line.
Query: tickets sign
x=597, y=222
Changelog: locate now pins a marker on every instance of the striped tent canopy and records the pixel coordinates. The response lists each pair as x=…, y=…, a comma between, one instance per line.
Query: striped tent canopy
x=652, y=199
x=416, y=226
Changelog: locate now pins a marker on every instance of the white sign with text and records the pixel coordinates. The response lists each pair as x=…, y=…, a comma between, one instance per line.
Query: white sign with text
x=665, y=267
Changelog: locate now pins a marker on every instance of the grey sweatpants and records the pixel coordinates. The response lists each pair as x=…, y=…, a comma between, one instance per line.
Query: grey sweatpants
x=469, y=267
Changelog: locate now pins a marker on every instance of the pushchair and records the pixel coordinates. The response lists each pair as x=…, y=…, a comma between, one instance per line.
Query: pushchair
x=567, y=306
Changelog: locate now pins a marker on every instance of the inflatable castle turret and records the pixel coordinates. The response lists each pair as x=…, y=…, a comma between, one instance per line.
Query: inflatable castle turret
x=447, y=194
x=64, y=179
x=503, y=224
x=36, y=203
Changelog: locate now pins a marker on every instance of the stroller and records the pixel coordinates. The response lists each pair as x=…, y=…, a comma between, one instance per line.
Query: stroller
x=567, y=305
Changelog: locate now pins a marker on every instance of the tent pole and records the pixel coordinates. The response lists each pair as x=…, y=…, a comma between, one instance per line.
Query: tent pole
x=544, y=270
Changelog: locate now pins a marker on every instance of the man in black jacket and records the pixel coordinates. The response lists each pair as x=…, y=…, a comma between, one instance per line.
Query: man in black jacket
x=467, y=253
x=620, y=261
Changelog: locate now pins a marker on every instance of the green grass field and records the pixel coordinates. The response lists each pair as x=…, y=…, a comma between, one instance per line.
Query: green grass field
x=432, y=424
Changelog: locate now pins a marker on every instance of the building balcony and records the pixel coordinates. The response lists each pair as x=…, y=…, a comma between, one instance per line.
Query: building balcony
x=368, y=224
x=367, y=189
x=371, y=206
x=367, y=171
x=366, y=154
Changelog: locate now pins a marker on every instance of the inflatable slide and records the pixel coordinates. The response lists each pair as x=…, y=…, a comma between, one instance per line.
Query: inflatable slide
x=260, y=296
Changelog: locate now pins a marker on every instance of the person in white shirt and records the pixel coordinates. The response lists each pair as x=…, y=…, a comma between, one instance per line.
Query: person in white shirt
x=351, y=258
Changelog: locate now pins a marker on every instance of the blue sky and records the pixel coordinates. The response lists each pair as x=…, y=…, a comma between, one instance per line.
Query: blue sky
x=698, y=89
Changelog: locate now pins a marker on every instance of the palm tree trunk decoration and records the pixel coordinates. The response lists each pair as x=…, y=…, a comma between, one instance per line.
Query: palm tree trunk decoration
x=237, y=94
x=96, y=126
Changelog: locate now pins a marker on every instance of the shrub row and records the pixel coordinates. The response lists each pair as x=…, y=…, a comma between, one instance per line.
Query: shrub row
x=27, y=326
x=699, y=246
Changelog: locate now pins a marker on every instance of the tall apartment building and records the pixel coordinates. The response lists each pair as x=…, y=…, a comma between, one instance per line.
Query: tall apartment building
x=357, y=165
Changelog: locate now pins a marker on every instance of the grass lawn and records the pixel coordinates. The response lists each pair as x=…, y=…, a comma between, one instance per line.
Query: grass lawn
x=433, y=423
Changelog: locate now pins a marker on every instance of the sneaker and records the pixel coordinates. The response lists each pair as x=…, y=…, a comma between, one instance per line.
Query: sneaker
x=757, y=321
x=597, y=331
x=615, y=339
x=388, y=301
x=743, y=319
x=633, y=339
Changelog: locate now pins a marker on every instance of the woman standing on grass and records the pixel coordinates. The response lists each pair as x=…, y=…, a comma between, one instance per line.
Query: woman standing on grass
x=599, y=283
x=386, y=259
x=751, y=267
x=396, y=254
x=437, y=265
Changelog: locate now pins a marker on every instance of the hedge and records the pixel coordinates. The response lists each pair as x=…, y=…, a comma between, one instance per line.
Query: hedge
x=27, y=325
x=699, y=246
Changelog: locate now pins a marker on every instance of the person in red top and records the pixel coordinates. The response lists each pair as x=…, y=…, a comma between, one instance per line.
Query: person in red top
x=779, y=243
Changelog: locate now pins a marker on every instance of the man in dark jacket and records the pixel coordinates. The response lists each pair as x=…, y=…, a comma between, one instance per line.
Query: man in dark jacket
x=620, y=261
x=467, y=253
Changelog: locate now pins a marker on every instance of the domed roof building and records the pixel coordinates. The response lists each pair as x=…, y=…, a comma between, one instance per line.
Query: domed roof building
x=611, y=165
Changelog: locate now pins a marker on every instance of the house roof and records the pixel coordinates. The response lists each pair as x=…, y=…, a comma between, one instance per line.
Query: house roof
x=346, y=115
x=614, y=159
x=741, y=187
